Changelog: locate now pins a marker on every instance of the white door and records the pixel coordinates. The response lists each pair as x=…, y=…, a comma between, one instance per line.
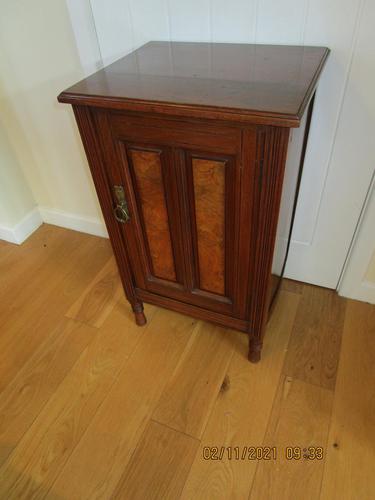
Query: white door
x=337, y=169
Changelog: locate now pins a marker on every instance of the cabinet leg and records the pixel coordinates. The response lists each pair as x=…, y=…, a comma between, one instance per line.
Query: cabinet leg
x=255, y=349
x=140, y=317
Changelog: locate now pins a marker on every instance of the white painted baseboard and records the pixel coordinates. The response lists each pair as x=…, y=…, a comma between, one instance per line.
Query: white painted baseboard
x=354, y=283
x=21, y=231
x=83, y=224
x=365, y=292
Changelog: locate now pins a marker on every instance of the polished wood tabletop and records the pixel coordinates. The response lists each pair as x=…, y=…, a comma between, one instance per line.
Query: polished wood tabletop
x=241, y=82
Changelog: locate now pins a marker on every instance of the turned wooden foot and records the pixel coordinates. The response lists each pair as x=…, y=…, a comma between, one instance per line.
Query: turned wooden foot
x=255, y=350
x=140, y=317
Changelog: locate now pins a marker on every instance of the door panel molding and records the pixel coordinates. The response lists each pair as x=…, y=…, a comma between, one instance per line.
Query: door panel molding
x=162, y=186
x=147, y=167
x=204, y=205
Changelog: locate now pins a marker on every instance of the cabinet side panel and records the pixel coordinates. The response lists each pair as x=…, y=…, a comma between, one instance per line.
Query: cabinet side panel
x=272, y=145
x=287, y=201
x=209, y=195
x=149, y=178
x=289, y=197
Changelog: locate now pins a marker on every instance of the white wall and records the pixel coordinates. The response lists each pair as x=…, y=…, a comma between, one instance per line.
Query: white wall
x=354, y=150
x=16, y=199
x=370, y=272
x=358, y=281
x=38, y=59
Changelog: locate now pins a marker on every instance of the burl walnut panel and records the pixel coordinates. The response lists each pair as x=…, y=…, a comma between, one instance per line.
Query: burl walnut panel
x=152, y=206
x=209, y=201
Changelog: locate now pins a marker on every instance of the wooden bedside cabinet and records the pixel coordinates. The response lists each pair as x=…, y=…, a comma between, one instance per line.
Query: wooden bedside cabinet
x=187, y=145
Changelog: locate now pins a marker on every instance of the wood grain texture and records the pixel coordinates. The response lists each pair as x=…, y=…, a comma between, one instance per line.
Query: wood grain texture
x=291, y=286
x=99, y=298
x=147, y=168
x=77, y=405
x=159, y=465
x=150, y=189
x=24, y=398
x=187, y=400
x=24, y=262
x=300, y=418
x=194, y=311
x=209, y=204
x=241, y=411
x=64, y=276
x=50, y=261
x=270, y=159
x=314, y=350
x=201, y=135
x=349, y=468
x=47, y=445
x=262, y=87
x=245, y=207
x=120, y=422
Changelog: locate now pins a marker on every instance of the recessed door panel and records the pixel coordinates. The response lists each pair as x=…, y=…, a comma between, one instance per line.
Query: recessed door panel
x=153, y=211
x=211, y=181
x=152, y=233
x=209, y=201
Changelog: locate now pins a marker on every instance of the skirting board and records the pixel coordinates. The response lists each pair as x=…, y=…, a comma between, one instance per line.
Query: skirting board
x=365, y=292
x=21, y=231
x=354, y=283
x=83, y=224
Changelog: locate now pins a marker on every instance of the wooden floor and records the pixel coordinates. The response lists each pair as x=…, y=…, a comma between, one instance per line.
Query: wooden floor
x=94, y=407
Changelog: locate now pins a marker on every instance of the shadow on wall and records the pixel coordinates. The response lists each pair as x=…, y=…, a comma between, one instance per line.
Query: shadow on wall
x=16, y=198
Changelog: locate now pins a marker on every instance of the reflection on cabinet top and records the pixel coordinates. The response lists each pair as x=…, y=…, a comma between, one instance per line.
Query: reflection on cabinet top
x=269, y=84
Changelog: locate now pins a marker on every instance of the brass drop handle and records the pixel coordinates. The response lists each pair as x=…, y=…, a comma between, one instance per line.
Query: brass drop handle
x=121, y=213
x=121, y=210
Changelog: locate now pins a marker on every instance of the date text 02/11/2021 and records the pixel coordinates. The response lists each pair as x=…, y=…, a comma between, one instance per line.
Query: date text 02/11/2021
x=262, y=452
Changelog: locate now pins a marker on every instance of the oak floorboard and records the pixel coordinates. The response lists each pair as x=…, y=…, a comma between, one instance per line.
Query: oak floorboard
x=58, y=253
x=99, y=298
x=314, y=349
x=300, y=418
x=159, y=465
x=76, y=401
x=45, y=300
x=32, y=264
x=121, y=420
x=42, y=452
x=20, y=263
x=291, y=286
x=23, y=399
x=350, y=462
x=241, y=412
x=190, y=394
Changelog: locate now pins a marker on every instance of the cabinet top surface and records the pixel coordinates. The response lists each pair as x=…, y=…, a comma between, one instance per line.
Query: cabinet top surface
x=240, y=82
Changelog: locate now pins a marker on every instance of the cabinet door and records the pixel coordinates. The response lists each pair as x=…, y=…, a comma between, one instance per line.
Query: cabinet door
x=153, y=233
x=182, y=184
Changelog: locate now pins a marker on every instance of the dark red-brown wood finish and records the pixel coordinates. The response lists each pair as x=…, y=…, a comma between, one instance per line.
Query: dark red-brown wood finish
x=187, y=146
